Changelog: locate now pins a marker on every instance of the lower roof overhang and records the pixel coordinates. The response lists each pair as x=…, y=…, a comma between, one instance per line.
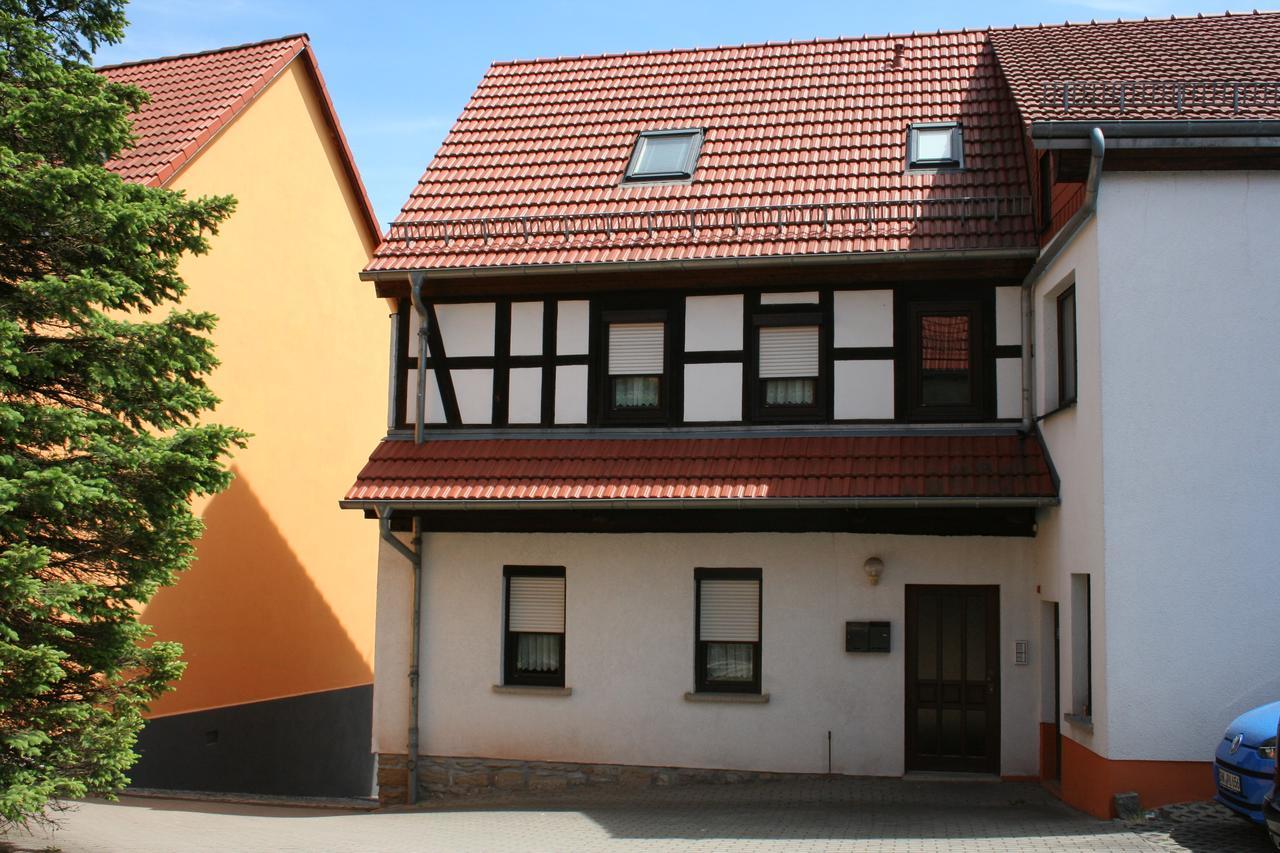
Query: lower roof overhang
x=924, y=520
x=941, y=484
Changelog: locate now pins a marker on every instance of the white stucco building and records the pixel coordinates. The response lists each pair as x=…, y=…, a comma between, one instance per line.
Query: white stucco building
x=868, y=406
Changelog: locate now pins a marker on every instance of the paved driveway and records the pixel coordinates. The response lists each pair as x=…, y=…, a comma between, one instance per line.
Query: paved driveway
x=819, y=815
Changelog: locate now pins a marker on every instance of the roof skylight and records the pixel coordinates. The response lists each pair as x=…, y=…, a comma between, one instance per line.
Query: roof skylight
x=664, y=155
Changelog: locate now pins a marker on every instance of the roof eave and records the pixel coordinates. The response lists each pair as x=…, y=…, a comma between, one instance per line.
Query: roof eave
x=381, y=506
x=693, y=264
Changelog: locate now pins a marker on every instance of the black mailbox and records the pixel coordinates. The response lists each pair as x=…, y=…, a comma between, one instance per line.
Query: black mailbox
x=866, y=636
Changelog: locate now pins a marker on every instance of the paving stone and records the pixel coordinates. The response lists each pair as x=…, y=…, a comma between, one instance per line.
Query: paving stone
x=823, y=815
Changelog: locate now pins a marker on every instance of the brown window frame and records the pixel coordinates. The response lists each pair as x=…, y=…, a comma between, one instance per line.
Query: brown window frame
x=510, y=639
x=702, y=684
x=1063, y=399
x=788, y=315
x=611, y=414
x=981, y=407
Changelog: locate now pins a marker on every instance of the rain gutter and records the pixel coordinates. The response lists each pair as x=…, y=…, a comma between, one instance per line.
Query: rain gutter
x=1068, y=232
x=1182, y=133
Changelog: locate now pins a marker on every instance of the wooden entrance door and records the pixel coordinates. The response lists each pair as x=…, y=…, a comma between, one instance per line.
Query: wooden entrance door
x=953, y=678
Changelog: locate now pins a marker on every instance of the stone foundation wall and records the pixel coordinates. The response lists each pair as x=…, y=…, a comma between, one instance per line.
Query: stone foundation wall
x=440, y=776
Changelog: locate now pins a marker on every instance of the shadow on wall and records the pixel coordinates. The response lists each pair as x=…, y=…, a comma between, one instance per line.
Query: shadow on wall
x=276, y=698
x=251, y=620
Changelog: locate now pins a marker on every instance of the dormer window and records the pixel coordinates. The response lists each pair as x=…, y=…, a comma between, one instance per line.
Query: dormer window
x=664, y=155
x=936, y=145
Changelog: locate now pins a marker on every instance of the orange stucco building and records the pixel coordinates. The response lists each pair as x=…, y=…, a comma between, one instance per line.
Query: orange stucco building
x=276, y=614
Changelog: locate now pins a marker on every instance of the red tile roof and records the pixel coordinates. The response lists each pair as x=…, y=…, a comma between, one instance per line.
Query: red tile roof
x=1155, y=58
x=194, y=96
x=804, y=153
x=845, y=467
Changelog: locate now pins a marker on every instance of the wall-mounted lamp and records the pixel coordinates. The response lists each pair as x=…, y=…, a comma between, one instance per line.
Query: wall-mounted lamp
x=874, y=567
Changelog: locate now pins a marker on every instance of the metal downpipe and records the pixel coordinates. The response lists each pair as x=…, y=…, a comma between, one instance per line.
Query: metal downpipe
x=418, y=281
x=414, y=556
x=1098, y=149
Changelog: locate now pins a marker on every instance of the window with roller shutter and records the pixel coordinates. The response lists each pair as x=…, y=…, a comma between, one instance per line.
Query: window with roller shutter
x=534, y=629
x=789, y=367
x=635, y=363
x=727, y=652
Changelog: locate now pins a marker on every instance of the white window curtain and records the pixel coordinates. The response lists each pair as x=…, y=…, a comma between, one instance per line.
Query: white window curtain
x=729, y=611
x=635, y=349
x=788, y=352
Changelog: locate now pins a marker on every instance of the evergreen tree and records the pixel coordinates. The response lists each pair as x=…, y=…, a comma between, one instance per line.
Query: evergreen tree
x=101, y=448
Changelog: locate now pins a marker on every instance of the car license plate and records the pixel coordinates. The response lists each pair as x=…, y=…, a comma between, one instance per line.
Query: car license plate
x=1228, y=781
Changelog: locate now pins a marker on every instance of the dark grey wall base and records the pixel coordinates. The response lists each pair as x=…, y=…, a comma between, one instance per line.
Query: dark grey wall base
x=316, y=745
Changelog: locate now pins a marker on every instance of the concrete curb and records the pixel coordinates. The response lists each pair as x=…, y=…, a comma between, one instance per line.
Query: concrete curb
x=345, y=803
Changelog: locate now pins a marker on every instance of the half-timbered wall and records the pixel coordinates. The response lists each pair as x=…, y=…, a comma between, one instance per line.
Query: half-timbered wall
x=518, y=362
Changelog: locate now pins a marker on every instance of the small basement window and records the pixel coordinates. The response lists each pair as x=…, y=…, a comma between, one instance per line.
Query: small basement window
x=937, y=145
x=664, y=155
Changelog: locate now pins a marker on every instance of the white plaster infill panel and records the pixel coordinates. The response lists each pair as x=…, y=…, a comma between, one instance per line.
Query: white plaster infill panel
x=863, y=318
x=864, y=390
x=524, y=396
x=573, y=321
x=1008, y=387
x=474, y=390
x=712, y=392
x=571, y=393
x=526, y=328
x=713, y=323
x=807, y=297
x=1008, y=316
x=435, y=407
x=466, y=329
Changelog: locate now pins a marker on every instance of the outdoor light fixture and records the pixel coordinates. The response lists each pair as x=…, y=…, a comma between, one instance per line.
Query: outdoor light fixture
x=874, y=567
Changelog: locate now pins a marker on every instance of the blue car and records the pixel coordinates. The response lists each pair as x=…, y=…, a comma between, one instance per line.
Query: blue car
x=1271, y=808
x=1245, y=763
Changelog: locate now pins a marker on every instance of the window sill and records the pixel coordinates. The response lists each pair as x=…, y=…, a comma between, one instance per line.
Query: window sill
x=532, y=690
x=729, y=698
x=1080, y=721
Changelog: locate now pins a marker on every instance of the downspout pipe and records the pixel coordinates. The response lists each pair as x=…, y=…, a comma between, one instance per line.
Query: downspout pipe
x=417, y=283
x=1060, y=241
x=414, y=556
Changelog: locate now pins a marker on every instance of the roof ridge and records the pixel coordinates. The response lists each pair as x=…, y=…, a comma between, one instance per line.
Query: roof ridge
x=210, y=52
x=878, y=37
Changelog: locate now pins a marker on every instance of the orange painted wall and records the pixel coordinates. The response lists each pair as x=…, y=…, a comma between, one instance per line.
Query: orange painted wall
x=1089, y=781
x=280, y=600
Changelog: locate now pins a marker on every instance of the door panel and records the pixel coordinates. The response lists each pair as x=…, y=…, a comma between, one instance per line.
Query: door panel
x=953, y=678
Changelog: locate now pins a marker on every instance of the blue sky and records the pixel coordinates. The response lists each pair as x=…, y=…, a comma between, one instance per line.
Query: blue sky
x=400, y=72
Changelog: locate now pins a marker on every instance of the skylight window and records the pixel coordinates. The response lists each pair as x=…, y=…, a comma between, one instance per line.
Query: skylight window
x=937, y=145
x=664, y=155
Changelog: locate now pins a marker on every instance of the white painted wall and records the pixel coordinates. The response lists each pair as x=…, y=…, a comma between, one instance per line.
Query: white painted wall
x=1008, y=316
x=863, y=318
x=524, y=395
x=713, y=392
x=573, y=325
x=466, y=328
x=629, y=649
x=474, y=390
x=1189, y=265
x=526, y=328
x=1008, y=387
x=806, y=297
x=571, y=394
x=713, y=323
x=863, y=389
x=1070, y=536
